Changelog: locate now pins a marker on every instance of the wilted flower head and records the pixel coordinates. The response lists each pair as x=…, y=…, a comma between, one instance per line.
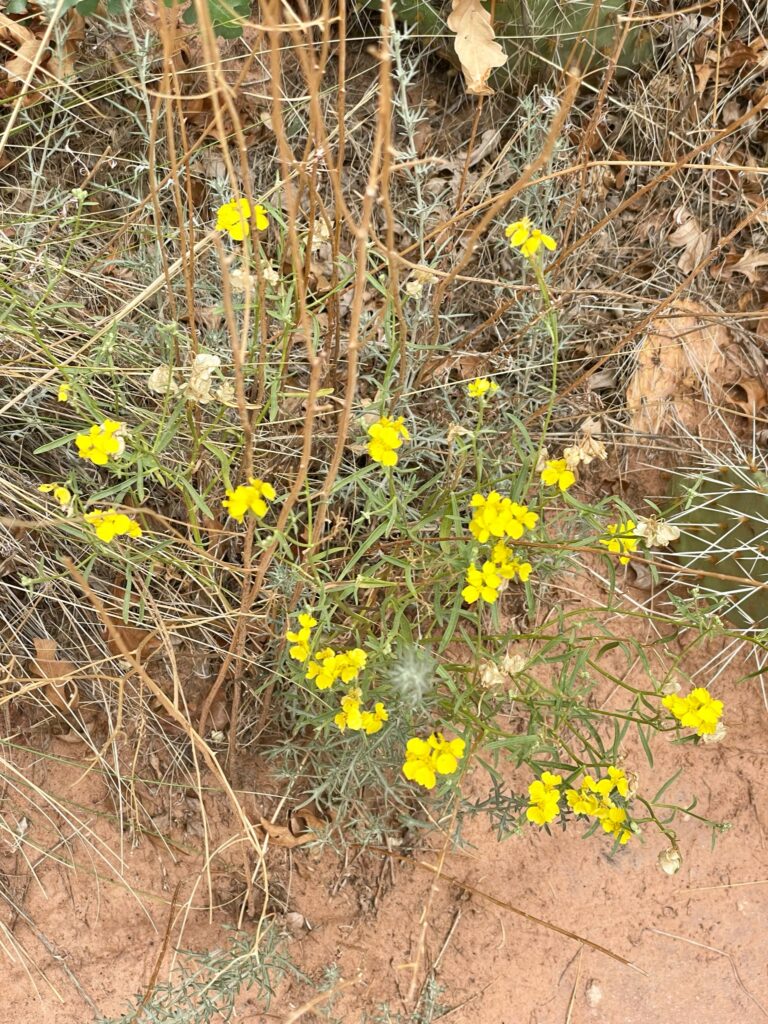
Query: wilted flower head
x=161, y=381
x=198, y=388
x=670, y=860
x=655, y=532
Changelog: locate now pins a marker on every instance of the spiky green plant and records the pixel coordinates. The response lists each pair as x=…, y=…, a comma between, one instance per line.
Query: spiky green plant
x=724, y=534
x=541, y=34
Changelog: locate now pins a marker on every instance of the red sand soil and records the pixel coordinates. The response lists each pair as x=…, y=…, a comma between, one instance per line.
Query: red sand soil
x=698, y=939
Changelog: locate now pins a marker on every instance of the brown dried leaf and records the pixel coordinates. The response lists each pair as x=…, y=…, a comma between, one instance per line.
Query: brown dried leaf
x=685, y=373
x=141, y=643
x=475, y=45
x=281, y=835
x=749, y=395
x=61, y=692
x=748, y=264
x=690, y=237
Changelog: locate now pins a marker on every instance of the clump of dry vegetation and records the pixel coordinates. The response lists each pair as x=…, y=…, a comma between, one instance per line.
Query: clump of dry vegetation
x=333, y=362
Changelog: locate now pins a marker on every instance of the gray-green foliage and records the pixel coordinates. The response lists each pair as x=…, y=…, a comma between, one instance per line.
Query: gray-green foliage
x=724, y=533
x=208, y=984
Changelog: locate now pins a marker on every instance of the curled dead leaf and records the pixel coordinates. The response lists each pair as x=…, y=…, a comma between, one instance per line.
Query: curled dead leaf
x=475, y=45
x=141, y=643
x=749, y=264
x=281, y=835
x=690, y=237
x=749, y=396
x=62, y=692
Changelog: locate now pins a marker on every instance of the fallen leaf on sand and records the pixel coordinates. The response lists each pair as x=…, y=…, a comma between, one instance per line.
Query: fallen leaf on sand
x=475, y=45
x=281, y=835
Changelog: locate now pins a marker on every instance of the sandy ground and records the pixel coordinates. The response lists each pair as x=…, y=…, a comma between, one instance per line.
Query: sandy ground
x=697, y=940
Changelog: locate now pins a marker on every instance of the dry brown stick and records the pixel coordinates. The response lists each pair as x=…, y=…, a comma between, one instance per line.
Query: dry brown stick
x=466, y=887
x=152, y=983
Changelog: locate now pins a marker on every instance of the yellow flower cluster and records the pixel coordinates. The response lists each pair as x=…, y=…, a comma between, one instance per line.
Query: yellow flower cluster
x=699, y=710
x=250, y=497
x=498, y=517
x=352, y=717
x=301, y=639
x=527, y=239
x=596, y=798
x=386, y=436
x=65, y=389
x=485, y=582
x=235, y=218
x=481, y=386
x=557, y=474
x=327, y=667
x=102, y=442
x=494, y=516
x=544, y=796
x=426, y=759
x=60, y=493
x=622, y=540
x=111, y=524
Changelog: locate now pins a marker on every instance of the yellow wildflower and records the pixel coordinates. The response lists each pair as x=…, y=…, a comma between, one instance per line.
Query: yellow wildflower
x=481, y=583
x=508, y=566
x=374, y=720
x=102, y=442
x=64, y=392
x=613, y=821
x=699, y=710
x=350, y=664
x=596, y=798
x=301, y=639
x=350, y=716
x=386, y=436
x=528, y=239
x=250, y=497
x=60, y=493
x=322, y=669
x=111, y=524
x=557, y=474
x=622, y=540
x=494, y=516
x=328, y=666
x=481, y=386
x=544, y=795
x=235, y=218
x=426, y=759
